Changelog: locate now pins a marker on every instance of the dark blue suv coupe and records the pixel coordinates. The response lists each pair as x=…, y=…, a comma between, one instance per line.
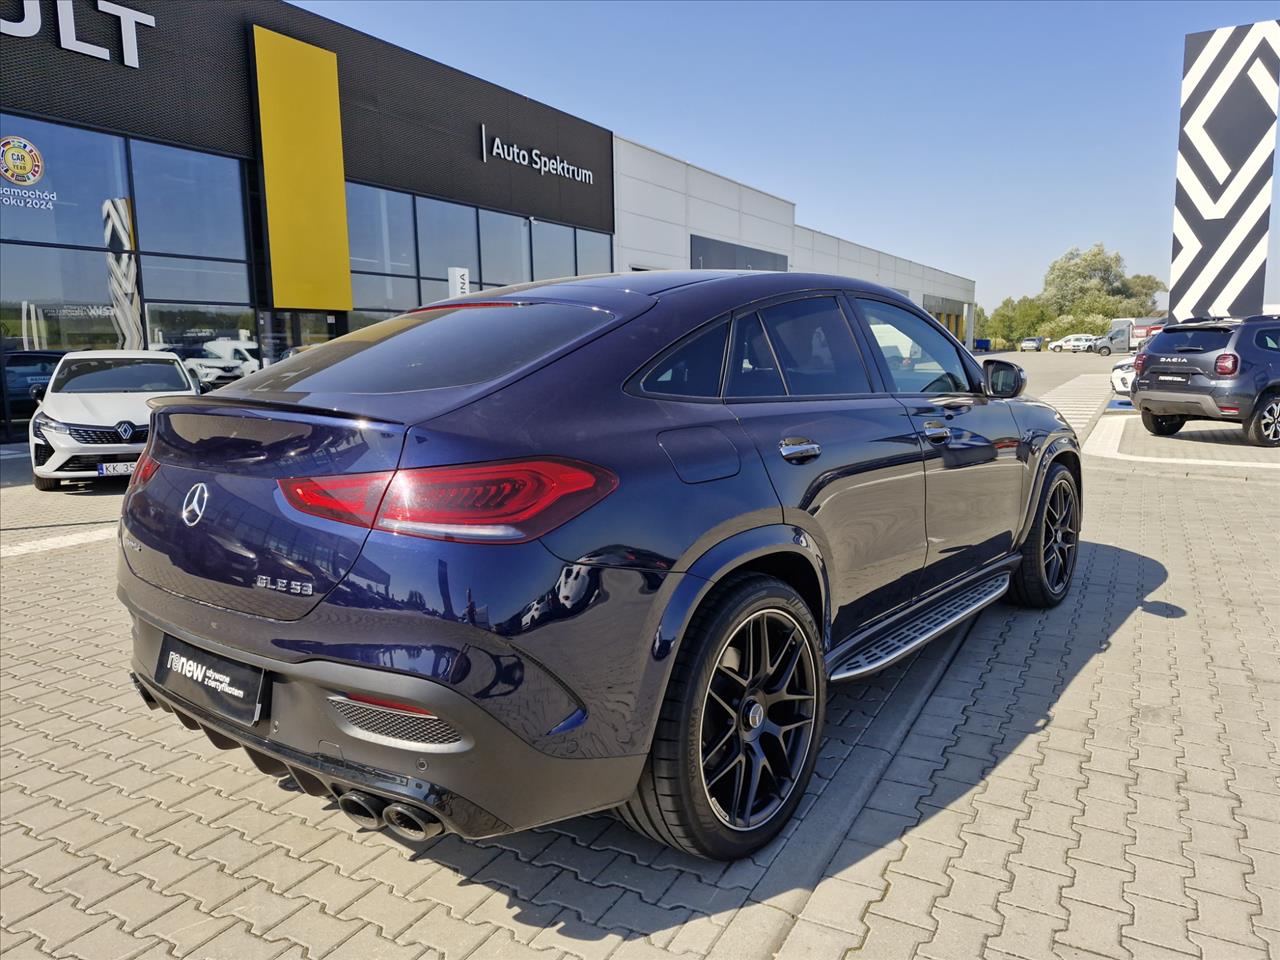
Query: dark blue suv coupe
x=586, y=544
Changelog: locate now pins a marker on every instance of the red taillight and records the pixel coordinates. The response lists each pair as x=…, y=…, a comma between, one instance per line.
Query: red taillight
x=389, y=704
x=1226, y=364
x=353, y=498
x=1140, y=363
x=145, y=469
x=511, y=501
x=503, y=502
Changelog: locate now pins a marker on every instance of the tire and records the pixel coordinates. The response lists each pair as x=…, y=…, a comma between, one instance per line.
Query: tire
x=45, y=483
x=1035, y=583
x=1263, y=428
x=1056, y=349
x=1162, y=426
x=1104, y=351
x=674, y=802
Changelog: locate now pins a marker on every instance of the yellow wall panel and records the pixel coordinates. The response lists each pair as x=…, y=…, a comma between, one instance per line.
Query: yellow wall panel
x=301, y=131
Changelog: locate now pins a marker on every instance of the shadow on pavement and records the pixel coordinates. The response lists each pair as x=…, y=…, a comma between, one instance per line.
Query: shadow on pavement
x=999, y=694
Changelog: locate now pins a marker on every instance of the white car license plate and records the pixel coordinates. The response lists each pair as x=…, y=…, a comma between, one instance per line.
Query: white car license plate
x=116, y=469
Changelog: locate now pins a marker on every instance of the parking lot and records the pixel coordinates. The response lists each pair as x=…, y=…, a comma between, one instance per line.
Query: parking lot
x=1097, y=780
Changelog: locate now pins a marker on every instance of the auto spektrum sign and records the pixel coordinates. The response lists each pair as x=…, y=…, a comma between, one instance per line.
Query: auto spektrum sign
x=499, y=149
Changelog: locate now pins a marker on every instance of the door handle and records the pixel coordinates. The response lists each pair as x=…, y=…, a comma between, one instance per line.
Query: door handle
x=798, y=450
x=936, y=433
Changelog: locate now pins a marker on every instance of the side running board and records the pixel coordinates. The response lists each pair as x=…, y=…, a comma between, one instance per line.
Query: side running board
x=878, y=652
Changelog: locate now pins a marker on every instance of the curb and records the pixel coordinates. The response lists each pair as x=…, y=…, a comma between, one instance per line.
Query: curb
x=790, y=880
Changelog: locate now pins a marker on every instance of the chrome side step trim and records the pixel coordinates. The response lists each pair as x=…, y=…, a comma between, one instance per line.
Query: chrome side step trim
x=878, y=653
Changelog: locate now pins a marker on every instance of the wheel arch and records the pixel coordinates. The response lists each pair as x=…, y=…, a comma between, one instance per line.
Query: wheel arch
x=779, y=550
x=1063, y=449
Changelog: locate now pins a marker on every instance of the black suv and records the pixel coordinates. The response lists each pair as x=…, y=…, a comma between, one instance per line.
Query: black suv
x=1212, y=370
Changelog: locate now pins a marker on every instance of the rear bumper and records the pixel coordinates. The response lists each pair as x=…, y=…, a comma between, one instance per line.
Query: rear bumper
x=487, y=782
x=1204, y=404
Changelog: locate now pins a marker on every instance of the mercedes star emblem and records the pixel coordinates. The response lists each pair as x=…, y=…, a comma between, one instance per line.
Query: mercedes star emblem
x=193, y=504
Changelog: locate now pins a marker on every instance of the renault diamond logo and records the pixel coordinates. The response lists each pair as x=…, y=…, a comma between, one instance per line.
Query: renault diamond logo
x=125, y=429
x=193, y=504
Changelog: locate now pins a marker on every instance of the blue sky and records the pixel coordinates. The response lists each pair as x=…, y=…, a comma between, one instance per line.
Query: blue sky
x=985, y=138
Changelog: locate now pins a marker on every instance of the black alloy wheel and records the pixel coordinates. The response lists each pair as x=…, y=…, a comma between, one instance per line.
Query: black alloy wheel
x=1052, y=546
x=757, y=720
x=737, y=736
x=1061, y=535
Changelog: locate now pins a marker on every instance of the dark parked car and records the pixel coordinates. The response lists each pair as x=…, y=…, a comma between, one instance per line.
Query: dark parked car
x=584, y=545
x=1212, y=370
x=24, y=369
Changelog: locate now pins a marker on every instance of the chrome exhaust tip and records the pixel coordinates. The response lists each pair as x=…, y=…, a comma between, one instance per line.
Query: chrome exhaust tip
x=411, y=824
x=363, y=809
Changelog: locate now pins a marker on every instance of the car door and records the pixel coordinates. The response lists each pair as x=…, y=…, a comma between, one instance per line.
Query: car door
x=843, y=456
x=975, y=472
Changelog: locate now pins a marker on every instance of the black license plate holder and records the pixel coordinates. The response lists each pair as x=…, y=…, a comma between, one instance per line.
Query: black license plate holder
x=219, y=684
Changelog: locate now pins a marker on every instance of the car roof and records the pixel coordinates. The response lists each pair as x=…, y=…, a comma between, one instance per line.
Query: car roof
x=620, y=291
x=120, y=355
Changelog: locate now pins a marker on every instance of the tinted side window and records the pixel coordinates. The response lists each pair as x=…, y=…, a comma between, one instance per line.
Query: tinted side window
x=693, y=368
x=1268, y=339
x=752, y=370
x=815, y=347
x=919, y=357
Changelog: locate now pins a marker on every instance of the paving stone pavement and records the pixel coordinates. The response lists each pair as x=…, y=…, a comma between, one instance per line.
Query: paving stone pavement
x=1099, y=780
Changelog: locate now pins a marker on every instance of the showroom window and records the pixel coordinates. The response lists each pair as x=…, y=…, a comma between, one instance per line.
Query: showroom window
x=383, y=293
x=53, y=298
x=380, y=230
x=447, y=237
x=553, y=251
x=187, y=203
x=504, y=249
x=595, y=252
x=67, y=184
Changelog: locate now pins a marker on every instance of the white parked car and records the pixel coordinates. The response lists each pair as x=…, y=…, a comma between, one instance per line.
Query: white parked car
x=93, y=415
x=244, y=352
x=210, y=368
x=1076, y=342
x=1122, y=375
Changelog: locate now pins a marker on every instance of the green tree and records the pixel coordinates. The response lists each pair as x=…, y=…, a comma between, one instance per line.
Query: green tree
x=1015, y=319
x=1092, y=282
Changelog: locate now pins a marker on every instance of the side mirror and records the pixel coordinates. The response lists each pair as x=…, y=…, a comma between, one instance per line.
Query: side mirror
x=1002, y=379
x=37, y=391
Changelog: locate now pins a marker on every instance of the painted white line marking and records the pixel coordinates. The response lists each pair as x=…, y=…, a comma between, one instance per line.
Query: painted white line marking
x=57, y=543
x=1105, y=442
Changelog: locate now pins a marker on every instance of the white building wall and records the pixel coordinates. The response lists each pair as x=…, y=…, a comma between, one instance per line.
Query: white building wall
x=660, y=201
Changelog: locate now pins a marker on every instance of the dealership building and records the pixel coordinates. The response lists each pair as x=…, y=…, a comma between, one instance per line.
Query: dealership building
x=176, y=172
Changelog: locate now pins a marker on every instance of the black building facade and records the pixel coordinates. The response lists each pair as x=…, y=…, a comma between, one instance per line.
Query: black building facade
x=134, y=197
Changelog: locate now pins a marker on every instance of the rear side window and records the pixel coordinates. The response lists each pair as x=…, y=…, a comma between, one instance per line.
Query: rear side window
x=429, y=349
x=693, y=368
x=1268, y=339
x=753, y=371
x=815, y=347
x=1189, y=341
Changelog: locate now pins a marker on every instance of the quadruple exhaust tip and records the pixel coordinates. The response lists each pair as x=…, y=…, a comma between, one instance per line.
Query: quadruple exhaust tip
x=407, y=822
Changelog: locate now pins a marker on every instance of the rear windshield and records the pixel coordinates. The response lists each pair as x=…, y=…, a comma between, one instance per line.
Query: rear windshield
x=119, y=376
x=1189, y=341
x=430, y=349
